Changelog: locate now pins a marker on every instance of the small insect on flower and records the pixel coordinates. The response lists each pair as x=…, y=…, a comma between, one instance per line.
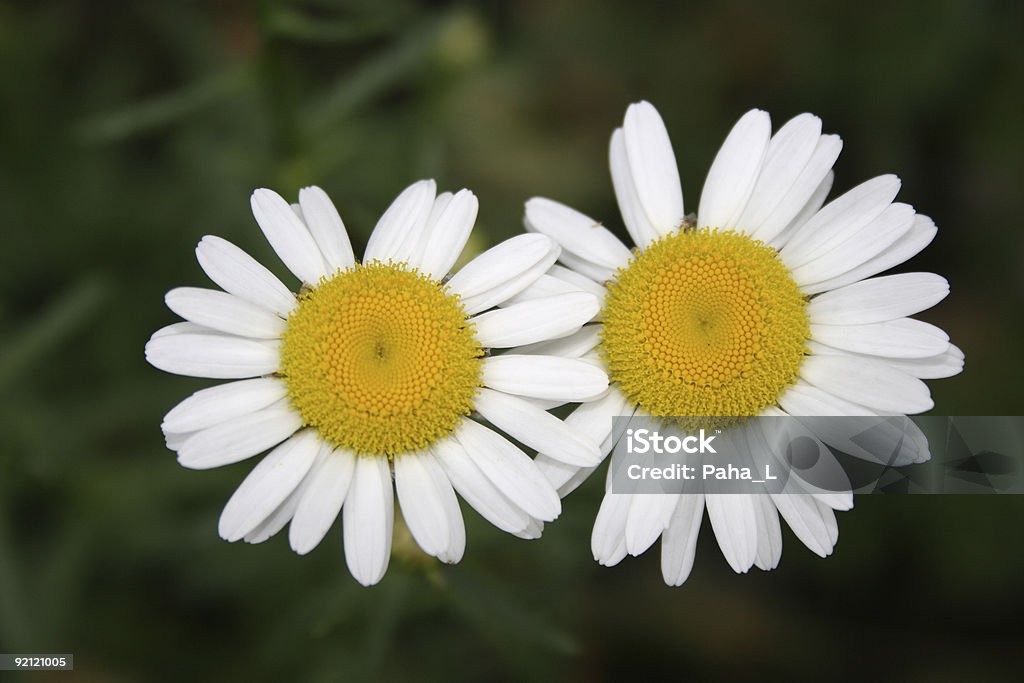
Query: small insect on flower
x=765, y=305
x=379, y=369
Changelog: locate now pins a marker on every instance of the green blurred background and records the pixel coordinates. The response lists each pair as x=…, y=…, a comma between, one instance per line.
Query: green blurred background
x=129, y=130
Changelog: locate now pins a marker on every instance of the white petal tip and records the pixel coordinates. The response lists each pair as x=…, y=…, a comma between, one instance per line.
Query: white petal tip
x=262, y=195
x=367, y=582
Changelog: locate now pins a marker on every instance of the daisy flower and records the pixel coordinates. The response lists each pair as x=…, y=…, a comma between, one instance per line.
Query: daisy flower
x=765, y=304
x=376, y=370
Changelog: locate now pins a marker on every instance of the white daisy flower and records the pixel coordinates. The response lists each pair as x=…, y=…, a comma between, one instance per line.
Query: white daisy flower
x=766, y=304
x=373, y=371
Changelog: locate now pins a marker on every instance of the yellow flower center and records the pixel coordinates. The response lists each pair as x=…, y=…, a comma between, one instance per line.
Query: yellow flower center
x=704, y=323
x=380, y=359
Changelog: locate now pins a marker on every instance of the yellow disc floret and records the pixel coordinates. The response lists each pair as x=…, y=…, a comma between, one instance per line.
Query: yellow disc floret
x=704, y=323
x=381, y=359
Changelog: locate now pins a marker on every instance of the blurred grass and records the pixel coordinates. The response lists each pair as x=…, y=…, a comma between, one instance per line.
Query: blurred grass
x=130, y=130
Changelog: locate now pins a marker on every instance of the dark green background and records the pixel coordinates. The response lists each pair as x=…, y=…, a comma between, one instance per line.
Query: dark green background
x=129, y=130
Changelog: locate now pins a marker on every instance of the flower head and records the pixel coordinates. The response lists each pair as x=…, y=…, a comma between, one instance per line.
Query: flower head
x=379, y=368
x=763, y=304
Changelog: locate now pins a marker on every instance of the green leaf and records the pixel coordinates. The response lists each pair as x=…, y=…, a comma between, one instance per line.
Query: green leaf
x=50, y=329
x=162, y=110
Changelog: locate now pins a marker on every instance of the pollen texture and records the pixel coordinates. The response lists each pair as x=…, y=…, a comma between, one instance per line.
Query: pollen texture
x=704, y=323
x=380, y=359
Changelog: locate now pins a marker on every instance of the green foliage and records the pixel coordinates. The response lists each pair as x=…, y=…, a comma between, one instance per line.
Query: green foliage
x=132, y=129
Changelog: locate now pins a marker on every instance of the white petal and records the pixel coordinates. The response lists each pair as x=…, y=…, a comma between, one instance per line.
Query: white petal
x=213, y=356
x=900, y=338
x=839, y=219
x=649, y=515
x=321, y=500
x=861, y=246
x=884, y=442
x=638, y=225
x=399, y=230
x=502, y=262
x=269, y=483
x=418, y=241
x=812, y=207
x=769, y=533
x=224, y=312
x=806, y=399
x=208, y=407
x=557, y=472
x=908, y=365
x=537, y=320
x=536, y=428
x=456, y=526
x=608, y=539
x=457, y=542
x=828, y=516
x=277, y=519
x=576, y=233
x=368, y=520
x=501, y=294
x=474, y=486
x=595, y=419
x=575, y=345
x=652, y=164
x=447, y=232
x=185, y=328
x=288, y=236
x=920, y=235
x=175, y=440
x=946, y=365
x=441, y=202
x=511, y=470
x=547, y=377
x=807, y=193
x=428, y=503
x=543, y=287
x=237, y=273
x=734, y=171
x=286, y=510
x=532, y=531
x=787, y=155
x=878, y=299
x=916, y=451
x=809, y=521
x=544, y=404
x=581, y=281
x=679, y=540
x=559, y=280
x=326, y=227
x=575, y=481
x=240, y=437
x=735, y=525
x=868, y=382
x=503, y=271
x=595, y=416
x=837, y=500
x=590, y=270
